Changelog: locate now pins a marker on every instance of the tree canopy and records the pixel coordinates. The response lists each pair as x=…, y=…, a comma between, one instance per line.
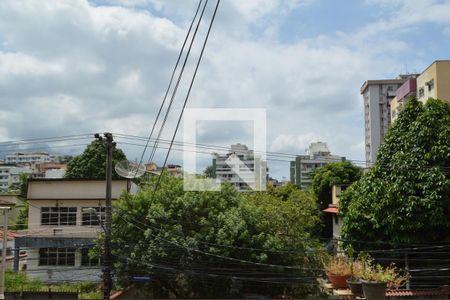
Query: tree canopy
x=323, y=179
x=405, y=196
x=91, y=164
x=216, y=244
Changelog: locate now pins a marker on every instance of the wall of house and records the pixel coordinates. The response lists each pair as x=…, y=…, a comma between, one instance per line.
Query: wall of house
x=35, y=225
x=443, y=80
x=73, y=189
x=426, y=76
x=61, y=273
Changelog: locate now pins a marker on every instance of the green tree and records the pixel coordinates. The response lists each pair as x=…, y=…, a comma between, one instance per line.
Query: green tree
x=91, y=164
x=210, y=172
x=405, y=196
x=21, y=189
x=323, y=179
x=196, y=244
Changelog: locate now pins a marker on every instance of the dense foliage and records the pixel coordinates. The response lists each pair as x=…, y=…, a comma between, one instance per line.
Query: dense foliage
x=91, y=164
x=323, y=179
x=216, y=244
x=405, y=196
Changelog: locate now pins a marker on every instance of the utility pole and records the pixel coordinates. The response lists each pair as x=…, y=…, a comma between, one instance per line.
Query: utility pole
x=107, y=141
x=5, y=241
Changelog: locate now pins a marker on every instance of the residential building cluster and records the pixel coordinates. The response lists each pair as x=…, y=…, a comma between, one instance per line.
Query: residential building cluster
x=384, y=98
x=65, y=215
x=34, y=164
x=316, y=156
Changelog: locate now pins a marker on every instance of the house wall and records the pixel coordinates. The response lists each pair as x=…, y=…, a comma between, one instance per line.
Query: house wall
x=34, y=218
x=61, y=273
x=443, y=80
x=73, y=189
x=337, y=220
x=427, y=75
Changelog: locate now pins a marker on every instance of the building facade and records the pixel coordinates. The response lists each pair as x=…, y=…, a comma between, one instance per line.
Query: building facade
x=241, y=167
x=404, y=92
x=377, y=95
x=62, y=229
x=434, y=82
x=10, y=174
x=29, y=158
x=316, y=156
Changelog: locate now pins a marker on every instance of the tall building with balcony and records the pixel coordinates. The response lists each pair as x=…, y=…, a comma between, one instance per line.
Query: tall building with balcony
x=377, y=95
x=316, y=156
x=241, y=167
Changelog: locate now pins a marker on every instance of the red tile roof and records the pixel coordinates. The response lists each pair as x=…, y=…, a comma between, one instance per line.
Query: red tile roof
x=442, y=291
x=11, y=235
x=332, y=210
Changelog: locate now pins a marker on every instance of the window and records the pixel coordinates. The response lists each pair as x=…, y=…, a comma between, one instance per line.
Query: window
x=57, y=256
x=59, y=216
x=430, y=84
x=86, y=260
x=89, y=218
x=421, y=92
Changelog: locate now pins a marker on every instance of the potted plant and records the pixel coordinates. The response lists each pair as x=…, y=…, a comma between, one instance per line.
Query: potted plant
x=354, y=282
x=376, y=278
x=338, y=271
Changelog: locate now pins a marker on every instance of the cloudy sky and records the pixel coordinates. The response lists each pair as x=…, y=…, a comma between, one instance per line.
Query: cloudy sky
x=77, y=66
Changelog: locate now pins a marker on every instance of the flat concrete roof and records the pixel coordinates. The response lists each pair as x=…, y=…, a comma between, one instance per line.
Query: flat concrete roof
x=380, y=81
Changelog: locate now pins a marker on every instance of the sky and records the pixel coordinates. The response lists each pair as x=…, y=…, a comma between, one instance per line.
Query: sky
x=76, y=66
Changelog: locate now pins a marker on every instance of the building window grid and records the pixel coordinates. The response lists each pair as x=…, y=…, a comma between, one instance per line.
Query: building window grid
x=59, y=216
x=86, y=260
x=57, y=257
x=90, y=219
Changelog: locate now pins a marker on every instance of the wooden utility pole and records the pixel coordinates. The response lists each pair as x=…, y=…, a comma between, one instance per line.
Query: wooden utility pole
x=5, y=241
x=109, y=144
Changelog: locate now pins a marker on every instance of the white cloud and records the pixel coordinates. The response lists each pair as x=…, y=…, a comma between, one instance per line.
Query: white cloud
x=293, y=143
x=20, y=64
x=82, y=67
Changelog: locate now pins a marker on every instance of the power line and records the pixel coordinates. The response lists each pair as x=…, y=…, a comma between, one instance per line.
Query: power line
x=170, y=83
x=174, y=92
x=189, y=92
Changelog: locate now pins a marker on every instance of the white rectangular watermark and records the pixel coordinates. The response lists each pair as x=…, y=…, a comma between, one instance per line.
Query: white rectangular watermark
x=244, y=173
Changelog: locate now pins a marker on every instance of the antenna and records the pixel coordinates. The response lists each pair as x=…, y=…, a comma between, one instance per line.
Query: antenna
x=129, y=169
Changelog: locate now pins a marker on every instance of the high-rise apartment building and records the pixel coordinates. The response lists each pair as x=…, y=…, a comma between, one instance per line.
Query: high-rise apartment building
x=377, y=95
x=241, y=167
x=316, y=156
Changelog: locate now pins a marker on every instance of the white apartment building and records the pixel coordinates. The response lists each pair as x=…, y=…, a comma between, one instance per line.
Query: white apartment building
x=377, y=95
x=316, y=156
x=29, y=158
x=61, y=231
x=10, y=174
x=241, y=167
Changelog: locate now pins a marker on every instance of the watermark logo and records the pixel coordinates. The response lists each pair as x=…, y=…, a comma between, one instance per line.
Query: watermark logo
x=246, y=169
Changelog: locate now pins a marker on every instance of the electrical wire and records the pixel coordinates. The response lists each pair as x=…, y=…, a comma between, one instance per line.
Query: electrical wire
x=170, y=84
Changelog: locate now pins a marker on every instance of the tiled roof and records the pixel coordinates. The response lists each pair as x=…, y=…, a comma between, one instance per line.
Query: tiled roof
x=11, y=235
x=443, y=291
x=332, y=210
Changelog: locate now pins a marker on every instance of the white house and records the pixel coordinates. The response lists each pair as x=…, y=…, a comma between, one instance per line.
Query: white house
x=61, y=231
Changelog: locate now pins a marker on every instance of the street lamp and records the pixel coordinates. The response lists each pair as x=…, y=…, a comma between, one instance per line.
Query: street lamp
x=93, y=211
